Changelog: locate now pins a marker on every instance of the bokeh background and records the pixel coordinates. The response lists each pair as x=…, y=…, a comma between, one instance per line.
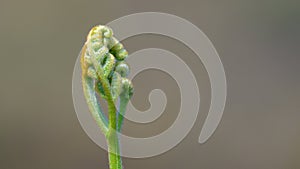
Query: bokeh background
x=258, y=43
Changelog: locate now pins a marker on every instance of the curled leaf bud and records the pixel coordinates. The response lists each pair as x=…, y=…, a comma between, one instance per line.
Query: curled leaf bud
x=107, y=32
x=122, y=54
x=117, y=49
x=122, y=68
x=127, y=88
x=104, y=58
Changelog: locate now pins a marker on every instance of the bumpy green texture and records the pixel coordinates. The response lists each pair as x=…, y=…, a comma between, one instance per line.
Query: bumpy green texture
x=104, y=73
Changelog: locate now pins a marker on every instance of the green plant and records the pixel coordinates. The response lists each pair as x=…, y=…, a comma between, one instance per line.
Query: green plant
x=104, y=73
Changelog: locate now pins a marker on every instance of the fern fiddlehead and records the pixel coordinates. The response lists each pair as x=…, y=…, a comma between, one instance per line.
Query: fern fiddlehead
x=104, y=73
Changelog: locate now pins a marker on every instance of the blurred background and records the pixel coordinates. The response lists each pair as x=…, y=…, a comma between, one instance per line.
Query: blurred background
x=258, y=43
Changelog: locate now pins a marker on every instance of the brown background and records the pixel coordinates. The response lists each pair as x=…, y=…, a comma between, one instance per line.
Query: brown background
x=258, y=42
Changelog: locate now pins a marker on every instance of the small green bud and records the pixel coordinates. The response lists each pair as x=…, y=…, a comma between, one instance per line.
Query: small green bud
x=122, y=68
x=122, y=54
x=127, y=88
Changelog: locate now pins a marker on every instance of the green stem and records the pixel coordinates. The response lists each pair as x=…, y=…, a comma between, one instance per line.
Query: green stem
x=115, y=161
x=122, y=109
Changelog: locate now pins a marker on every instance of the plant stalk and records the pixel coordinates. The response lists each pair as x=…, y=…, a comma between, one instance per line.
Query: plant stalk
x=115, y=161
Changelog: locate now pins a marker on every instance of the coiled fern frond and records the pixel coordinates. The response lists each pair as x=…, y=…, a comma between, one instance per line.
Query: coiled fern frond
x=104, y=73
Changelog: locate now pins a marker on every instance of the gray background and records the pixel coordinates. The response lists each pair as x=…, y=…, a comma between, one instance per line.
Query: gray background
x=258, y=43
